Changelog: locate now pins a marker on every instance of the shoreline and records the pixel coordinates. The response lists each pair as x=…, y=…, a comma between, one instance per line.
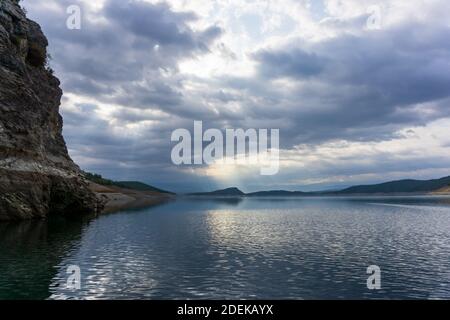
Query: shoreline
x=116, y=198
x=350, y=195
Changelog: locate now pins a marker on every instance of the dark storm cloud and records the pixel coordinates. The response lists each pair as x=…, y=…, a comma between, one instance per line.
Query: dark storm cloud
x=125, y=42
x=362, y=87
x=157, y=23
x=149, y=94
x=295, y=63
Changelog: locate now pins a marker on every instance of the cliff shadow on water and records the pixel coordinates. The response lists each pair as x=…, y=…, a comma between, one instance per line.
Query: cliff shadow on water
x=31, y=254
x=34, y=252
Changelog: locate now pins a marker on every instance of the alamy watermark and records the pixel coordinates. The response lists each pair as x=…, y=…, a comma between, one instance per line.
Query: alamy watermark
x=74, y=278
x=240, y=147
x=374, y=280
x=73, y=21
x=374, y=22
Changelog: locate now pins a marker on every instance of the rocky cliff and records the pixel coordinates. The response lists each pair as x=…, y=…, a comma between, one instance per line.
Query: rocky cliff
x=37, y=176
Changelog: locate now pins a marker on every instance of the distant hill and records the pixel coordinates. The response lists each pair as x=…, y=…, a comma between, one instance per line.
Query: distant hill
x=224, y=192
x=132, y=185
x=277, y=193
x=436, y=186
x=401, y=186
x=136, y=185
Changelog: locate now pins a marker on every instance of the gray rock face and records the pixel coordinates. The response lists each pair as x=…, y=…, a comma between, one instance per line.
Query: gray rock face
x=37, y=176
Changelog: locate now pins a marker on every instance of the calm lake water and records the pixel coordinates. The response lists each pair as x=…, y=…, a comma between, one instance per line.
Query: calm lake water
x=304, y=248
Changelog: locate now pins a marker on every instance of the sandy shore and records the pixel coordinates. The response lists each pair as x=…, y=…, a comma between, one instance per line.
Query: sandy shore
x=120, y=199
x=444, y=191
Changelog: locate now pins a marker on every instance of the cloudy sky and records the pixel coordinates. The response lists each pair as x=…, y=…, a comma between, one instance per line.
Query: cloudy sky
x=360, y=89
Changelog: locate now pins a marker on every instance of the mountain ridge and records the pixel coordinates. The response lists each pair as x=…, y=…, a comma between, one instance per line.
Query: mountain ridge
x=405, y=186
x=223, y=192
x=400, y=186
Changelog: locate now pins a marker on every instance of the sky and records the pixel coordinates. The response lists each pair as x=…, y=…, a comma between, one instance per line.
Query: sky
x=359, y=89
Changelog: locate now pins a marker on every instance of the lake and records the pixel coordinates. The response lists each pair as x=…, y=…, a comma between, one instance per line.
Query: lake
x=225, y=248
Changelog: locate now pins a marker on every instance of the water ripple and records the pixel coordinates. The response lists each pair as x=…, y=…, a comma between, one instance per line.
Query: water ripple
x=291, y=249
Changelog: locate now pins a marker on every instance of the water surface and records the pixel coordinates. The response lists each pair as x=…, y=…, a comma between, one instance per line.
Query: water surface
x=279, y=248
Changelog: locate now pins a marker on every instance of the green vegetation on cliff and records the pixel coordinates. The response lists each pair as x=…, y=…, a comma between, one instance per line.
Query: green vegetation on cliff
x=133, y=185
